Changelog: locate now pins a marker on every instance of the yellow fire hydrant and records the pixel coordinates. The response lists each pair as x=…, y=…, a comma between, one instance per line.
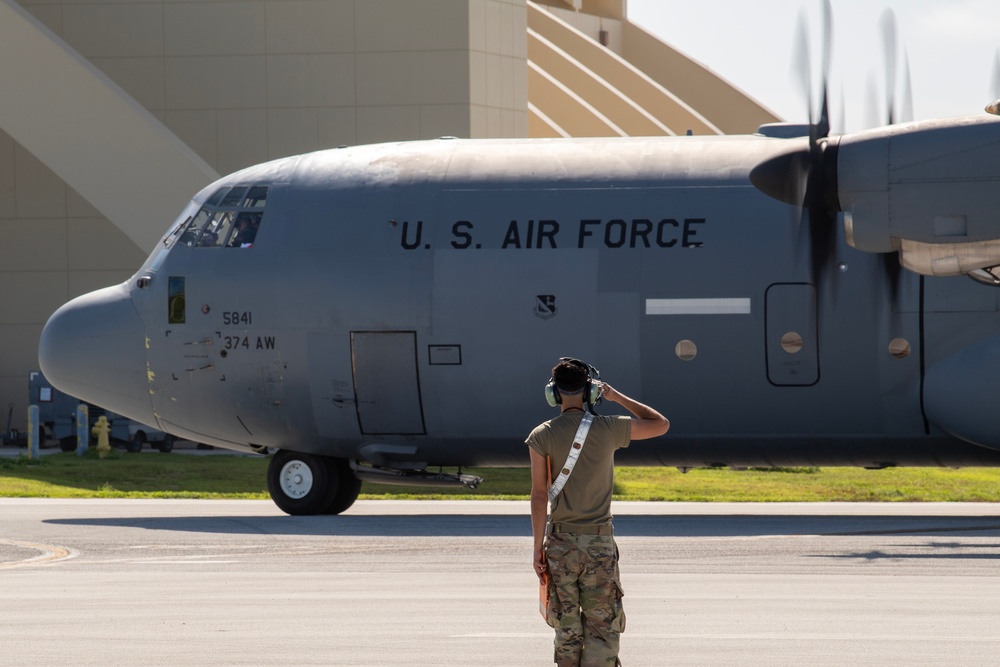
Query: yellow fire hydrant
x=101, y=430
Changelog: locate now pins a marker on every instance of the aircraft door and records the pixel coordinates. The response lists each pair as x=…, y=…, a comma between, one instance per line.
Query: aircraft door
x=791, y=335
x=386, y=383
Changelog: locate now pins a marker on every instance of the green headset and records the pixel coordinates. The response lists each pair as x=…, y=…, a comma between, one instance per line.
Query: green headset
x=591, y=388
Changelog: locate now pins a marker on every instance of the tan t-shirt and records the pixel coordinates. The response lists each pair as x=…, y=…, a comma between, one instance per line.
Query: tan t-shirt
x=586, y=498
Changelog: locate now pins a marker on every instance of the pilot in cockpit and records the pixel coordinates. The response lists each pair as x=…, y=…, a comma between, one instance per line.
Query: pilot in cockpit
x=246, y=230
x=209, y=239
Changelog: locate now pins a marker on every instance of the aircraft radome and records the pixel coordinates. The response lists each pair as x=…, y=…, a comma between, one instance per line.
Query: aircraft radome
x=381, y=311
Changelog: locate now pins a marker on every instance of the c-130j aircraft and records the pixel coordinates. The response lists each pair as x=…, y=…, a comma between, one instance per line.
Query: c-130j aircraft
x=375, y=312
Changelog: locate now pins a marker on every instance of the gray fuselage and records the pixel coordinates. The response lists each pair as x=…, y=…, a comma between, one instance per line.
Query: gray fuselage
x=402, y=304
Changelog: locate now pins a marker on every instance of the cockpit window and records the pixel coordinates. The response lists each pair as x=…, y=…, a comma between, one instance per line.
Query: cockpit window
x=192, y=230
x=256, y=197
x=245, y=230
x=215, y=233
x=229, y=219
x=234, y=197
x=217, y=197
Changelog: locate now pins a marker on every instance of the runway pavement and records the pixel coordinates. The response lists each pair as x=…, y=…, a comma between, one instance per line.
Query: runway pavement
x=174, y=582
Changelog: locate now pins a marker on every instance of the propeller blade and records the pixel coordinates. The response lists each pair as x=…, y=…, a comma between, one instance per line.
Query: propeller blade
x=801, y=66
x=994, y=106
x=893, y=271
x=806, y=176
x=887, y=23
x=906, y=110
x=818, y=116
x=823, y=125
x=839, y=122
x=873, y=115
x=995, y=77
x=822, y=220
x=897, y=110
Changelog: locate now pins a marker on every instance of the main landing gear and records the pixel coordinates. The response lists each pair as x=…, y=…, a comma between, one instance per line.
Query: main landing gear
x=311, y=484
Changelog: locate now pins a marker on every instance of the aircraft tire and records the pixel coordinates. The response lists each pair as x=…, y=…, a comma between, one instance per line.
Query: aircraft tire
x=299, y=484
x=344, y=486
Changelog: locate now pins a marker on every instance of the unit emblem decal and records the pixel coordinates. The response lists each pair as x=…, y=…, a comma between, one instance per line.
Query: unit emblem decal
x=545, y=306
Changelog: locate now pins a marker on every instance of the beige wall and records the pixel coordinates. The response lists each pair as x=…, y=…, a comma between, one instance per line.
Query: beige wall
x=53, y=246
x=498, y=49
x=717, y=105
x=591, y=25
x=722, y=104
x=241, y=82
x=603, y=8
x=573, y=76
x=244, y=81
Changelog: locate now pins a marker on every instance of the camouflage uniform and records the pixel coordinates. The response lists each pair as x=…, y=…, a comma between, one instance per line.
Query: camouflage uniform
x=585, y=598
x=585, y=593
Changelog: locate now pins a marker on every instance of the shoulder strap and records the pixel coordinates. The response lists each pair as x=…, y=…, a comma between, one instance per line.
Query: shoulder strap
x=574, y=453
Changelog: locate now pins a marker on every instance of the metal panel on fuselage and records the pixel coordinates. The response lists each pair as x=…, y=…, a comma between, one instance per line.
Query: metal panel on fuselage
x=501, y=257
x=386, y=383
x=792, y=343
x=221, y=375
x=520, y=271
x=223, y=368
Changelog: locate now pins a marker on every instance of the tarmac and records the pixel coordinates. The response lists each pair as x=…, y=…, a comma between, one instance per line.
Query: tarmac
x=441, y=583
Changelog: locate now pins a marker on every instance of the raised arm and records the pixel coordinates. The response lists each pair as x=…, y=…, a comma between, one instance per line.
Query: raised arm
x=646, y=422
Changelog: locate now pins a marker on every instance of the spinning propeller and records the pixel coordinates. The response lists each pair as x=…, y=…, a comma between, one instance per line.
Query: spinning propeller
x=903, y=112
x=889, y=261
x=806, y=176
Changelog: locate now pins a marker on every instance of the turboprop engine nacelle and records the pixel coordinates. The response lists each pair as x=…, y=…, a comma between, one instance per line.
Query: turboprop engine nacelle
x=930, y=190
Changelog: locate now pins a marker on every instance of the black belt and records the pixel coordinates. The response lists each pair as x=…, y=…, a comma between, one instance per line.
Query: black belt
x=570, y=529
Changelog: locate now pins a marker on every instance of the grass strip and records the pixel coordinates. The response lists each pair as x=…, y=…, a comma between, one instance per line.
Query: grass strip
x=152, y=475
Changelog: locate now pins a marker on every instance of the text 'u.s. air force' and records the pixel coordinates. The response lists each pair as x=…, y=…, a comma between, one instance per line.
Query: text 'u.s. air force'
x=590, y=233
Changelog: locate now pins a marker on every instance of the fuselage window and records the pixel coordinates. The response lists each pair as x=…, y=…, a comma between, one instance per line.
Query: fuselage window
x=229, y=219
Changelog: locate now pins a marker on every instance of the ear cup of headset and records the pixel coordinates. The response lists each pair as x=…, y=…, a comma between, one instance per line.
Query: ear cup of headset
x=593, y=392
x=552, y=394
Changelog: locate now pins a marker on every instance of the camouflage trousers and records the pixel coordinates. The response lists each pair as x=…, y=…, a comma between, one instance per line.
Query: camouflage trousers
x=585, y=598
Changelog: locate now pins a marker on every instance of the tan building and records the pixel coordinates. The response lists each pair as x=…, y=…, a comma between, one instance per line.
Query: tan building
x=114, y=112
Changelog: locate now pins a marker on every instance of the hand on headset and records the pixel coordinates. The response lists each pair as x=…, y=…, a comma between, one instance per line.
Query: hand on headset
x=609, y=392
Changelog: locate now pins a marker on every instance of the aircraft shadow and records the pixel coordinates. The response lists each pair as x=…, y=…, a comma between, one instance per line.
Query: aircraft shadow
x=498, y=525
x=950, y=554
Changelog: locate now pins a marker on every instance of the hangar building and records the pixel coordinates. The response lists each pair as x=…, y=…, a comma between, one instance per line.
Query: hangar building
x=113, y=113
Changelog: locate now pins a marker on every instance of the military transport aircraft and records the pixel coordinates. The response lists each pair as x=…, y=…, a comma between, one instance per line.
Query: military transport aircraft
x=377, y=312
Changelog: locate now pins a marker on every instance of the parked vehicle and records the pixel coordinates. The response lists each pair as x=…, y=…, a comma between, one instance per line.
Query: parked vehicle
x=57, y=419
x=139, y=435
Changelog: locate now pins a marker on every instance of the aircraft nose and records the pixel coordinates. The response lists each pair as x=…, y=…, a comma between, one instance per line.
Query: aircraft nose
x=94, y=348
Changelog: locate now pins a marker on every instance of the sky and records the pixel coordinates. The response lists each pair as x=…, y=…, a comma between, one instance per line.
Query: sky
x=951, y=47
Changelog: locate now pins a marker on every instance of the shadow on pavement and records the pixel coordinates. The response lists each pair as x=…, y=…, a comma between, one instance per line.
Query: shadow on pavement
x=485, y=525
